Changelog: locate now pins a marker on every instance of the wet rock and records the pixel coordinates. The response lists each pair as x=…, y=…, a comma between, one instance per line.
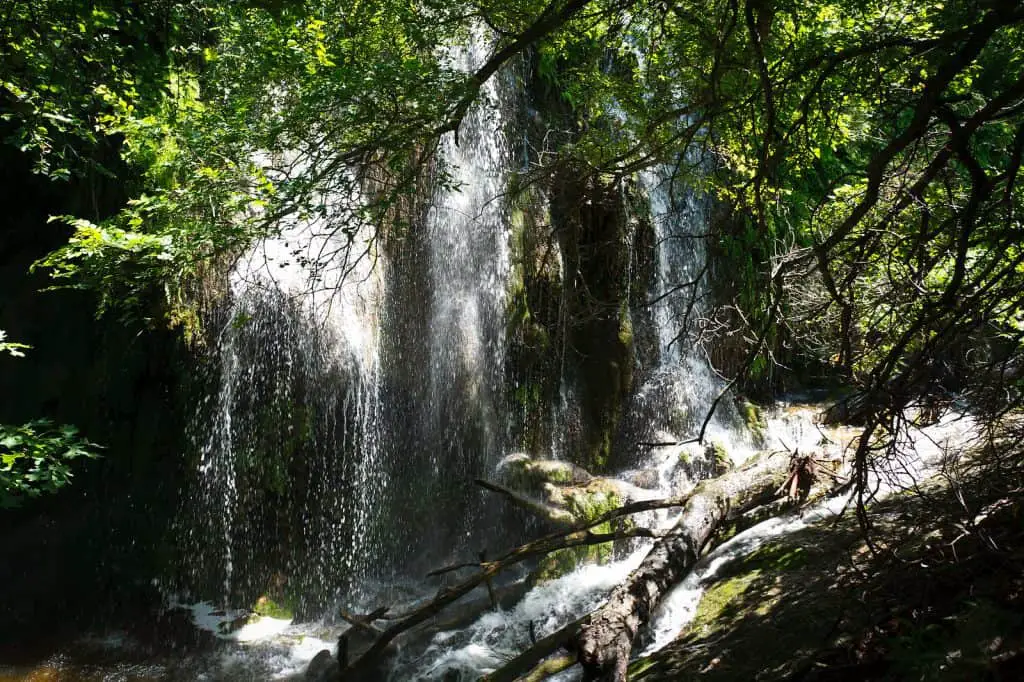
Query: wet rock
x=718, y=458
x=530, y=475
x=323, y=668
x=585, y=503
x=642, y=478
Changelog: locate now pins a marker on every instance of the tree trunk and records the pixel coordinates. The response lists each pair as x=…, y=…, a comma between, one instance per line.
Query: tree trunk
x=605, y=641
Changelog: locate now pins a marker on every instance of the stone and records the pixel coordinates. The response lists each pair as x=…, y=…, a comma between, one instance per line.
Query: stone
x=642, y=478
x=323, y=668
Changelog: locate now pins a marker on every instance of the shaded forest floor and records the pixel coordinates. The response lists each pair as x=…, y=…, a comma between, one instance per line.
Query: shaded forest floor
x=940, y=598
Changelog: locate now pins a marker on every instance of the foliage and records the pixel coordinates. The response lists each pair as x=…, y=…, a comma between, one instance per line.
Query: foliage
x=872, y=150
x=261, y=113
x=36, y=458
x=61, y=60
x=15, y=350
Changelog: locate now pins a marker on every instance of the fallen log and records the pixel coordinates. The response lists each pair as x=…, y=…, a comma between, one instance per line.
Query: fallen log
x=608, y=633
x=364, y=623
x=605, y=641
x=531, y=664
x=464, y=614
x=360, y=668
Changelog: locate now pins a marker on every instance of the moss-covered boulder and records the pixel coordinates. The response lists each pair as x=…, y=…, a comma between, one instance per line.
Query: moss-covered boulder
x=570, y=495
x=273, y=608
x=527, y=475
x=585, y=503
x=754, y=418
x=717, y=458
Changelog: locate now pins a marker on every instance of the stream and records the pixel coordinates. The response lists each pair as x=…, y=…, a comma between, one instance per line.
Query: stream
x=271, y=648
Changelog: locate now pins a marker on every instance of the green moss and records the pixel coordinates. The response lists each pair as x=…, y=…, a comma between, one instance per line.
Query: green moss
x=592, y=502
x=719, y=458
x=718, y=598
x=585, y=505
x=754, y=418
x=560, y=563
x=529, y=475
x=639, y=666
x=553, y=472
x=532, y=315
x=720, y=602
x=626, y=329
x=267, y=607
x=786, y=608
x=776, y=557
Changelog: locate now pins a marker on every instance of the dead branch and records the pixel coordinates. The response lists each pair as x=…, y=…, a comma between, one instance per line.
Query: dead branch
x=581, y=536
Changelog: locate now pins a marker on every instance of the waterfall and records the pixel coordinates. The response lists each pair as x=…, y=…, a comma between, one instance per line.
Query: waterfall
x=443, y=349
x=678, y=379
x=288, y=437
x=358, y=385
x=677, y=383
x=356, y=389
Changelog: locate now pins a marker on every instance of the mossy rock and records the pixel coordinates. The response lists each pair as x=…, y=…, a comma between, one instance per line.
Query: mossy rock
x=267, y=607
x=585, y=504
x=599, y=497
x=530, y=475
x=718, y=458
x=754, y=418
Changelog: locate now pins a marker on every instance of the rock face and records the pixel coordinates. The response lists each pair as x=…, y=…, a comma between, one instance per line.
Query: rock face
x=583, y=250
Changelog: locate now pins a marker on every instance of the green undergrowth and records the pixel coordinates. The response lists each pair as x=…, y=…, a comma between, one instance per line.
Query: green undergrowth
x=933, y=602
x=267, y=607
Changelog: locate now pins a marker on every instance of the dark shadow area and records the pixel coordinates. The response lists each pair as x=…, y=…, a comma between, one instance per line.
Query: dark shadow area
x=84, y=557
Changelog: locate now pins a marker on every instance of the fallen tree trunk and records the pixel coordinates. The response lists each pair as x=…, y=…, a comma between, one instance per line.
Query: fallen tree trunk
x=534, y=664
x=360, y=668
x=605, y=641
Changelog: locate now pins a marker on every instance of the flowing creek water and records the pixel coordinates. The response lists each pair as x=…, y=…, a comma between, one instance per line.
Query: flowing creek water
x=271, y=648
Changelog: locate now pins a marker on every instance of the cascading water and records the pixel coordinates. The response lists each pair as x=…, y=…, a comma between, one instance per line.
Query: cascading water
x=678, y=381
x=353, y=406
x=288, y=439
x=357, y=389
x=446, y=418
x=920, y=453
x=391, y=391
x=357, y=385
x=678, y=385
